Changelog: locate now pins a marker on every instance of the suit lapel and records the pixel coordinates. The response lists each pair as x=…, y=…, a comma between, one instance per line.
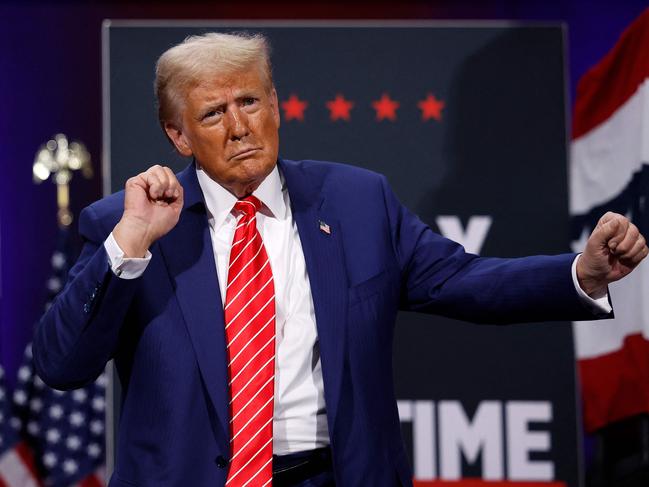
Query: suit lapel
x=187, y=252
x=323, y=254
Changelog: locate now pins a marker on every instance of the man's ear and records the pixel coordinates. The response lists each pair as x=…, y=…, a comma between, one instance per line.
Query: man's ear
x=178, y=138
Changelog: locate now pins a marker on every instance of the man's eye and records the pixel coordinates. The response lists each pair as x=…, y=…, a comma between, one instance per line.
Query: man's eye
x=212, y=113
x=249, y=101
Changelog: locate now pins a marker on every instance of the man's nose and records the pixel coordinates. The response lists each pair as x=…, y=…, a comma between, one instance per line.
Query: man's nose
x=238, y=123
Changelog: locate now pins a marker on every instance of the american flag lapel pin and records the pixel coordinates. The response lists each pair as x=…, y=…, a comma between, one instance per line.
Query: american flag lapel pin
x=324, y=228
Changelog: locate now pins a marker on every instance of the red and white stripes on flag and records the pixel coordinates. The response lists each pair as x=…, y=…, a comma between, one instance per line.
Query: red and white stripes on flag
x=609, y=157
x=17, y=467
x=96, y=479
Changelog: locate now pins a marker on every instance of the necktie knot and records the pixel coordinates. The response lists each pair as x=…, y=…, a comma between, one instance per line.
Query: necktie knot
x=248, y=205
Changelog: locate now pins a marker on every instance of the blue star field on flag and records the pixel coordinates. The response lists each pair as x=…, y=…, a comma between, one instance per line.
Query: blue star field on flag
x=64, y=429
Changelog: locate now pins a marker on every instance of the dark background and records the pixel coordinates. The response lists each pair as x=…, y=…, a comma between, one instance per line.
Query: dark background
x=50, y=81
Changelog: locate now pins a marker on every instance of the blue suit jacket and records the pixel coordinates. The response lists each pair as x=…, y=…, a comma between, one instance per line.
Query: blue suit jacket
x=165, y=329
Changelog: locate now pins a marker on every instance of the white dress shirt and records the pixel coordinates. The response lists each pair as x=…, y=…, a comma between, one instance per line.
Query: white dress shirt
x=300, y=421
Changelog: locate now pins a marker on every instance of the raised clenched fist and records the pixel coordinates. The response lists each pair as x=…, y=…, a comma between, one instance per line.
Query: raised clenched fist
x=152, y=204
x=613, y=250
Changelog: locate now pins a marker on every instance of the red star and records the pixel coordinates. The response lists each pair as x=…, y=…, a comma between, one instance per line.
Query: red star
x=386, y=108
x=294, y=108
x=431, y=107
x=339, y=108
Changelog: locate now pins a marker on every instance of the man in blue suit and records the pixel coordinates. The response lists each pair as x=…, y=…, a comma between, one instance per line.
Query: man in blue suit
x=151, y=283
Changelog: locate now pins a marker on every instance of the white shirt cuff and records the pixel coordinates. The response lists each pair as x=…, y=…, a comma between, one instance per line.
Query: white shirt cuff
x=124, y=267
x=599, y=303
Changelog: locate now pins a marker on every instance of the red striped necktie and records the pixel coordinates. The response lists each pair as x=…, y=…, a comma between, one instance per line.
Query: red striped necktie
x=250, y=335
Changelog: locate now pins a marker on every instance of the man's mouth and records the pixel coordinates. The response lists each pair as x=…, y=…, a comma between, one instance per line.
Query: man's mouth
x=245, y=153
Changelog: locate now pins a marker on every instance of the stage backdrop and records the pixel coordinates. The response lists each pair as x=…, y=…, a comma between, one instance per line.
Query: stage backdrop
x=468, y=124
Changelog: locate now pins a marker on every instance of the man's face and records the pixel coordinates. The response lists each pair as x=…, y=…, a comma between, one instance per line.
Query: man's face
x=230, y=125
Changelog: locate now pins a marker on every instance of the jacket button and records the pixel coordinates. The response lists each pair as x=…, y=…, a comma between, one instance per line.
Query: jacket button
x=221, y=462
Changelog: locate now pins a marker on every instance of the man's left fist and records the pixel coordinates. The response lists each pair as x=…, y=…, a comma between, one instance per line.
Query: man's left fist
x=613, y=250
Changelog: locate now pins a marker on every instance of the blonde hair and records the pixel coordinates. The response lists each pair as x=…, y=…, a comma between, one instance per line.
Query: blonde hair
x=199, y=57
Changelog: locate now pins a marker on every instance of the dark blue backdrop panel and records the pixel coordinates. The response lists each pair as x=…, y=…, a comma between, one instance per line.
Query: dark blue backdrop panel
x=497, y=148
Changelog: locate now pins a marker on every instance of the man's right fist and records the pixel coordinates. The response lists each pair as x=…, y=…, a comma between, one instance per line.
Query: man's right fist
x=152, y=206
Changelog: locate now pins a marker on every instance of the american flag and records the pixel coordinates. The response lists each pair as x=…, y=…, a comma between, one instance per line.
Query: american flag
x=16, y=463
x=324, y=227
x=65, y=430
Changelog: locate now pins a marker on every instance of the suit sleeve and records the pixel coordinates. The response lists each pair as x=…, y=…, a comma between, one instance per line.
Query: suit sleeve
x=439, y=277
x=78, y=335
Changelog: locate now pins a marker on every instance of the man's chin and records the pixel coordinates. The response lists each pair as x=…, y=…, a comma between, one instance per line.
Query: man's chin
x=241, y=177
x=255, y=168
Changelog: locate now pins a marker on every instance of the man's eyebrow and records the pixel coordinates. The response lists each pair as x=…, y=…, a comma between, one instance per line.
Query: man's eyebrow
x=216, y=104
x=207, y=108
x=249, y=92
